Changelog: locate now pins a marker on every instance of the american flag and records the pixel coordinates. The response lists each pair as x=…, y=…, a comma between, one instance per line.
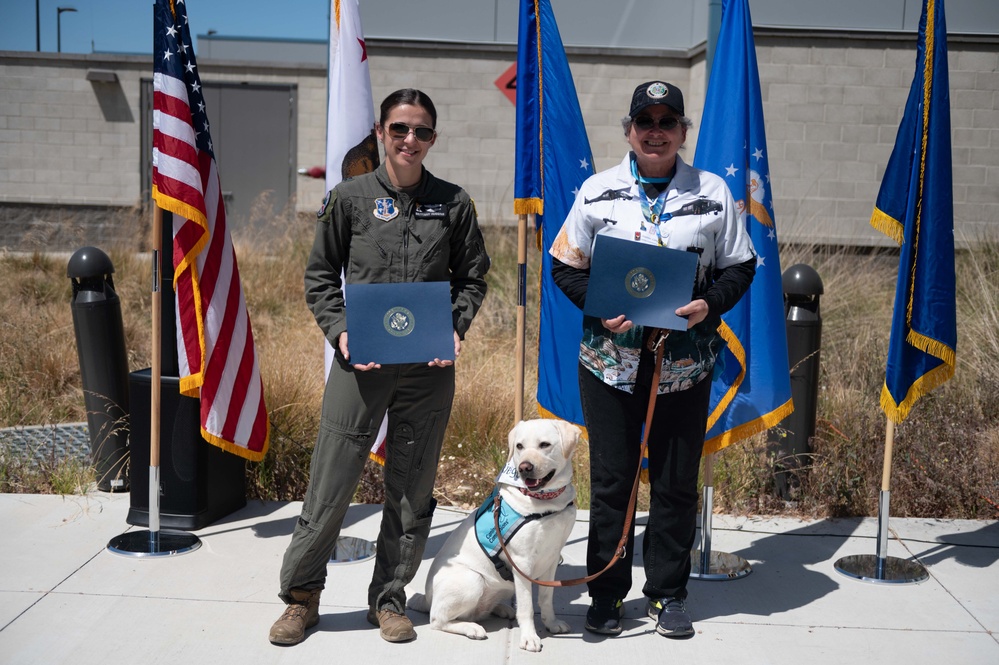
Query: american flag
x=217, y=359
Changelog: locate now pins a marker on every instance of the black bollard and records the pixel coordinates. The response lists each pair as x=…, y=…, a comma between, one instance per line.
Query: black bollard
x=791, y=440
x=100, y=345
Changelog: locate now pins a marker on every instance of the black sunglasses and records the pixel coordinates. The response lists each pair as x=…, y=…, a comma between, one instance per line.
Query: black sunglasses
x=645, y=123
x=400, y=130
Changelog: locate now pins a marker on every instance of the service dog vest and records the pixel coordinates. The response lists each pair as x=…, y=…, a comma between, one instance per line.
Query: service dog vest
x=510, y=522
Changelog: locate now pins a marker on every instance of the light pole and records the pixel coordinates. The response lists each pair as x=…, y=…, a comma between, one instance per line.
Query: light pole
x=59, y=11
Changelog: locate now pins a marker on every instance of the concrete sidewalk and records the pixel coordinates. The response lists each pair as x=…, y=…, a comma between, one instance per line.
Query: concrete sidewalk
x=64, y=598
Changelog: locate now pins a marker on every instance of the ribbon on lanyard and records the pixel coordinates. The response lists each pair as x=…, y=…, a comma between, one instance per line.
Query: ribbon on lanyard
x=652, y=211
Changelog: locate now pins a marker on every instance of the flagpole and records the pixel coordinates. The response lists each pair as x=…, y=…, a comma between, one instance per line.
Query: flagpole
x=705, y=564
x=915, y=208
x=518, y=410
x=752, y=389
x=880, y=568
x=885, y=497
x=154, y=543
x=155, y=365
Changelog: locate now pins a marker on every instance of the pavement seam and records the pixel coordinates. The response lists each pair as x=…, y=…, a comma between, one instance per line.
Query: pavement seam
x=50, y=591
x=929, y=571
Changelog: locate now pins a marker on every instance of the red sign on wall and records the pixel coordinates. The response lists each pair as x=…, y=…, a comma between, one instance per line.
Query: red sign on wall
x=507, y=83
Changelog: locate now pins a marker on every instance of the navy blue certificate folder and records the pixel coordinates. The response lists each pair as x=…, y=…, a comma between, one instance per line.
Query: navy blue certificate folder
x=646, y=283
x=407, y=322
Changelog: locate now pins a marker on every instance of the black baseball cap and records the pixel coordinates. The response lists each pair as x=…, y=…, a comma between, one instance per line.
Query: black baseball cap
x=656, y=92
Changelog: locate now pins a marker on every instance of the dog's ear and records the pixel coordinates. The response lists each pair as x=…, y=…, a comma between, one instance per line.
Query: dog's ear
x=569, y=435
x=511, y=440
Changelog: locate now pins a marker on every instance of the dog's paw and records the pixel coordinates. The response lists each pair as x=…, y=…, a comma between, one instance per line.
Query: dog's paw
x=503, y=611
x=475, y=632
x=530, y=643
x=469, y=629
x=557, y=627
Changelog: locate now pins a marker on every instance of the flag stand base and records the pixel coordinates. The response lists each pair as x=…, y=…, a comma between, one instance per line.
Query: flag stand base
x=718, y=566
x=880, y=568
x=714, y=566
x=890, y=570
x=349, y=549
x=153, y=544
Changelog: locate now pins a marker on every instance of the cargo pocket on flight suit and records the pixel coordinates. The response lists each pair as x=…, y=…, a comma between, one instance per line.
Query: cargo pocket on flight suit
x=419, y=487
x=334, y=471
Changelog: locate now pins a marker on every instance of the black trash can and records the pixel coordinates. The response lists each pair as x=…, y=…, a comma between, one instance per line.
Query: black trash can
x=199, y=483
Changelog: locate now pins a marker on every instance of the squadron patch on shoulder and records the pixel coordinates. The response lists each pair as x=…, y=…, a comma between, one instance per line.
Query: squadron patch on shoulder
x=326, y=209
x=385, y=209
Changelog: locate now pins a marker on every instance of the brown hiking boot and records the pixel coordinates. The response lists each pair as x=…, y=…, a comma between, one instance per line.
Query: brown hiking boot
x=301, y=613
x=392, y=626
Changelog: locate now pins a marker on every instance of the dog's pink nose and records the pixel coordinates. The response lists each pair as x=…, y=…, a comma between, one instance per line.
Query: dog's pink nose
x=526, y=467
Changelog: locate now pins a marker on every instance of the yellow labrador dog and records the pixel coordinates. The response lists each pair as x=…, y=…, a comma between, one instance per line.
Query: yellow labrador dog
x=470, y=577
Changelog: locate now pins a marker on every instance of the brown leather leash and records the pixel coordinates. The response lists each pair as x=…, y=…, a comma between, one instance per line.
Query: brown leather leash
x=621, y=550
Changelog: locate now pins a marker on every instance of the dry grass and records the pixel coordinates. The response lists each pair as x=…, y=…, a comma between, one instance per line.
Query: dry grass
x=946, y=454
x=946, y=457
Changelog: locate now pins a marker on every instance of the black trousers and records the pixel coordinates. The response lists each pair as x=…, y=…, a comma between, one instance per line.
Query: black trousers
x=614, y=421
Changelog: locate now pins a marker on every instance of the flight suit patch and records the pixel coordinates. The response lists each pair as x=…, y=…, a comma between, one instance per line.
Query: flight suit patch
x=385, y=209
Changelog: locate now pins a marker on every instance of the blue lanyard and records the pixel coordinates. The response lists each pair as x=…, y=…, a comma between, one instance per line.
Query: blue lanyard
x=652, y=212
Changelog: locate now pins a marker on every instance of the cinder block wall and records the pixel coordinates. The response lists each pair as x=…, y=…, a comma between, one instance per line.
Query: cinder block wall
x=832, y=105
x=64, y=139
x=477, y=123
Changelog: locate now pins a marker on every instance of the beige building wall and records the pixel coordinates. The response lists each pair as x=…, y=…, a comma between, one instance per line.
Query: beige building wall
x=64, y=139
x=832, y=105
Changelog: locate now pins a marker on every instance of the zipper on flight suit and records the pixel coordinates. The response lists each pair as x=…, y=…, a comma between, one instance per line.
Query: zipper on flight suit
x=405, y=254
x=405, y=237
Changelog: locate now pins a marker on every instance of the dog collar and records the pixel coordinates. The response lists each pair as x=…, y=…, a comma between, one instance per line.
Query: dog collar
x=544, y=494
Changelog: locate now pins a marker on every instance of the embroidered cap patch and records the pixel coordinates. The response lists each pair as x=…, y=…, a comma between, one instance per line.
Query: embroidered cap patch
x=657, y=90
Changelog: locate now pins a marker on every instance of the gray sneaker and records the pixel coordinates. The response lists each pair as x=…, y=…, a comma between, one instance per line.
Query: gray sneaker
x=672, y=617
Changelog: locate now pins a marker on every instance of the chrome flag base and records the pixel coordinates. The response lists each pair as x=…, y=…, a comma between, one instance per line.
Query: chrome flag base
x=719, y=566
x=881, y=568
x=890, y=570
x=154, y=544
x=349, y=549
x=714, y=566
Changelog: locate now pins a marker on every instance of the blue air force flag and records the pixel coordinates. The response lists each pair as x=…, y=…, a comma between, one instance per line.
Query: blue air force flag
x=915, y=207
x=553, y=159
x=752, y=388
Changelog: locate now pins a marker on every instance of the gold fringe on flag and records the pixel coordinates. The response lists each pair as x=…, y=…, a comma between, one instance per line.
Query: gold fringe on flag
x=888, y=225
x=532, y=206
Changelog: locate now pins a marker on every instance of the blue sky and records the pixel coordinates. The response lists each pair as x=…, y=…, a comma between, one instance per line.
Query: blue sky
x=124, y=26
